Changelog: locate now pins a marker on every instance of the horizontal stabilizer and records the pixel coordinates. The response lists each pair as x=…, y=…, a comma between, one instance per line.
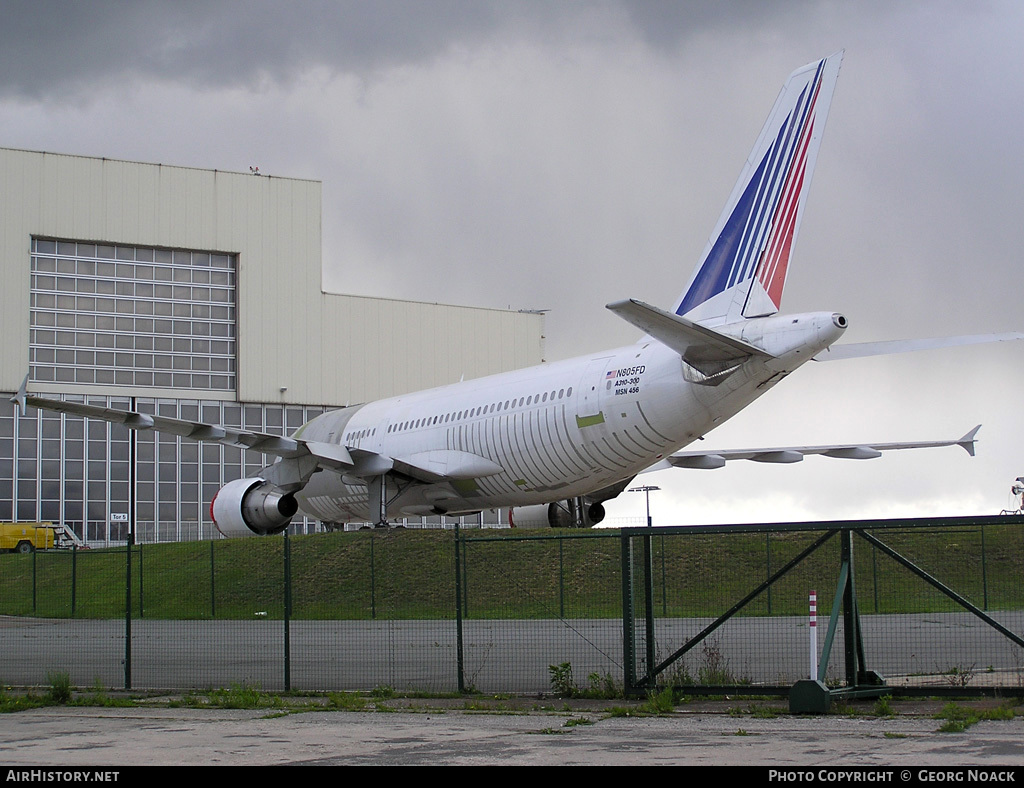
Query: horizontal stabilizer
x=701, y=347
x=850, y=451
x=864, y=349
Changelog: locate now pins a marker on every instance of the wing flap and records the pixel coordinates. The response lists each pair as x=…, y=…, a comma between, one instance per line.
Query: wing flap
x=446, y=465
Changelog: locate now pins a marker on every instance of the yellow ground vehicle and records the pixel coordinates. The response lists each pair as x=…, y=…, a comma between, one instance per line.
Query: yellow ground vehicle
x=26, y=537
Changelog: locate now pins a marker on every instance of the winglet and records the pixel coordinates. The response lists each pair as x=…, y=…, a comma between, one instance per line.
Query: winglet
x=19, y=398
x=968, y=440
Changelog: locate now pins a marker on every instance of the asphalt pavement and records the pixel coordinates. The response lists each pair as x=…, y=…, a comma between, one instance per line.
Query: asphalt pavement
x=523, y=733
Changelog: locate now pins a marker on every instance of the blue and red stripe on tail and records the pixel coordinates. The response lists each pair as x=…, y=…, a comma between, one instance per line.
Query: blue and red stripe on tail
x=743, y=270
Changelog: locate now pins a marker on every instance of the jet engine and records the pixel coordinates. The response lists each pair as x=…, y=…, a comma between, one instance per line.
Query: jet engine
x=252, y=507
x=559, y=514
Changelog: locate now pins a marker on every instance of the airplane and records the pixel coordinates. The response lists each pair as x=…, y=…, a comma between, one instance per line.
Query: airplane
x=569, y=435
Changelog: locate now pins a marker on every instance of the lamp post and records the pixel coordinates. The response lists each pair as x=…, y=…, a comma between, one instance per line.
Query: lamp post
x=647, y=489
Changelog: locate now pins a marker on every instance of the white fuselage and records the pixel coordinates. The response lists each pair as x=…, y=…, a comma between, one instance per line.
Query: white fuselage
x=557, y=430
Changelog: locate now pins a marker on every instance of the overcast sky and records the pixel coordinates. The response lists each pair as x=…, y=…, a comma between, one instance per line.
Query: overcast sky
x=561, y=155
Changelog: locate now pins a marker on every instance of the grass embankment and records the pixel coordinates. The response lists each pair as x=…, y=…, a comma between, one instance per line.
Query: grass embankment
x=411, y=575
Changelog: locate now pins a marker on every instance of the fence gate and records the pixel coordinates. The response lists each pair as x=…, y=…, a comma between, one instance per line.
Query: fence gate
x=928, y=608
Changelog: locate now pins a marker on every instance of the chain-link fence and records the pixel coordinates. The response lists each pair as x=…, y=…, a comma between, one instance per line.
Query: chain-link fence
x=929, y=605
x=932, y=604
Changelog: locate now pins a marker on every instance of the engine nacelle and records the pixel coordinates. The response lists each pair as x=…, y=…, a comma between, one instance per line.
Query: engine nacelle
x=542, y=515
x=252, y=507
x=554, y=515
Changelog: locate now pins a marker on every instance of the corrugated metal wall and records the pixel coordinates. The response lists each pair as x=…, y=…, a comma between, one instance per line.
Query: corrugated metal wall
x=326, y=349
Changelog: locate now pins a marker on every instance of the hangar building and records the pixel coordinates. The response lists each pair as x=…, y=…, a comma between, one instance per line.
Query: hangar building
x=198, y=292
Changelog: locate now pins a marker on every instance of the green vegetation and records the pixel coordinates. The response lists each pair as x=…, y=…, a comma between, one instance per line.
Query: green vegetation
x=98, y=696
x=600, y=685
x=958, y=675
x=240, y=696
x=11, y=703
x=956, y=717
x=562, y=684
x=411, y=575
x=959, y=718
x=60, y=687
x=660, y=702
x=603, y=686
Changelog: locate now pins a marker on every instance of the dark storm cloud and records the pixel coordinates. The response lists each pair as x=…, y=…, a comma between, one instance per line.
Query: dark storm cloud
x=48, y=47
x=667, y=23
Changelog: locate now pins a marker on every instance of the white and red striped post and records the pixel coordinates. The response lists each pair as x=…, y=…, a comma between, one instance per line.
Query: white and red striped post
x=813, y=626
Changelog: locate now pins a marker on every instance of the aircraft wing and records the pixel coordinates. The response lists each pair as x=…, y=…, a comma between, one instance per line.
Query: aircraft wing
x=864, y=349
x=789, y=454
x=329, y=455
x=427, y=467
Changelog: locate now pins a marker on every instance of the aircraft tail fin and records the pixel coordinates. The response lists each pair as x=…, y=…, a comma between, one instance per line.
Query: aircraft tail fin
x=743, y=269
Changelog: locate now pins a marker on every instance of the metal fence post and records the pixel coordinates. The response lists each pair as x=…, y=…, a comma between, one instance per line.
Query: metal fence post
x=132, y=480
x=373, y=581
x=74, y=576
x=213, y=588
x=874, y=574
x=465, y=576
x=628, y=634
x=141, y=584
x=849, y=635
x=128, y=614
x=664, y=586
x=649, y=606
x=459, y=658
x=984, y=572
x=287, y=612
x=561, y=578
